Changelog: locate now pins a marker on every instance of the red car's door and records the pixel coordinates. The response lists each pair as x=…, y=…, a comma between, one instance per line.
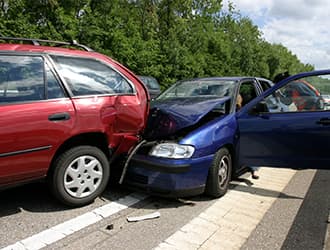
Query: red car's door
x=35, y=116
x=115, y=94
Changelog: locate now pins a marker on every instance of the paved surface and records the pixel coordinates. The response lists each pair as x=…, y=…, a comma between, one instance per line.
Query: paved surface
x=284, y=209
x=299, y=218
x=228, y=223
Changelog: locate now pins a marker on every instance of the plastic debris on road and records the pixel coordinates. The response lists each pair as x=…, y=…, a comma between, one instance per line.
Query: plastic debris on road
x=144, y=217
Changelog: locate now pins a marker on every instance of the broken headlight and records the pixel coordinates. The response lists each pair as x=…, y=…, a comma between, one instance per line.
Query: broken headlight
x=172, y=150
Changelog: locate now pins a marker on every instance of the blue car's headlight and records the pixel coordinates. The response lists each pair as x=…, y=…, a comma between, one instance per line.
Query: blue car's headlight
x=172, y=150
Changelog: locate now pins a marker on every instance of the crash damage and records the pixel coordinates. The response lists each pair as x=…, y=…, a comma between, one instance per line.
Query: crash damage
x=173, y=120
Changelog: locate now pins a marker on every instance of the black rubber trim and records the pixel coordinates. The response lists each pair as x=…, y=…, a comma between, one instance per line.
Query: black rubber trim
x=25, y=151
x=177, y=169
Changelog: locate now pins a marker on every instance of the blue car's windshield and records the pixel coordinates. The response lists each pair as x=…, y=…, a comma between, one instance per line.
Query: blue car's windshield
x=198, y=88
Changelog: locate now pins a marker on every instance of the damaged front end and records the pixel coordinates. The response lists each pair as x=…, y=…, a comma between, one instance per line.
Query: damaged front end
x=172, y=119
x=168, y=123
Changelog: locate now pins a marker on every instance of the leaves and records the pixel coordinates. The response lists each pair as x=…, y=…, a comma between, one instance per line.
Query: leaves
x=168, y=39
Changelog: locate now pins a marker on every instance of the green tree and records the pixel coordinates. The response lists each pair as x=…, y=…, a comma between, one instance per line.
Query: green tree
x=168, y=39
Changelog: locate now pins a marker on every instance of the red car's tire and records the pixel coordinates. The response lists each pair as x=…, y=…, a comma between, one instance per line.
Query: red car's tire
x=79, y=175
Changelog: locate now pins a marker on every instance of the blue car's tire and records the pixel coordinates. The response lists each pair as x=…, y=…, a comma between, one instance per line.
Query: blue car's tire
x=219, y=174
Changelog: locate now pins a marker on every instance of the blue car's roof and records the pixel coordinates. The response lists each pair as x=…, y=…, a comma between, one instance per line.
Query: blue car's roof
x=231, y=78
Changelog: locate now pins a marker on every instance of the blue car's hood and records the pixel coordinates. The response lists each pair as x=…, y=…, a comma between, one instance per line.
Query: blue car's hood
x=171, y=115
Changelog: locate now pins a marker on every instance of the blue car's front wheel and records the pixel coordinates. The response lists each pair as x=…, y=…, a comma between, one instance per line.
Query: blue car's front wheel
x=219, y=174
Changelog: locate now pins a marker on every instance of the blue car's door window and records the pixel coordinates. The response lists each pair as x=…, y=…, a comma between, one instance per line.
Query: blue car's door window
x=294, y=132
x=247, y=92
x=301, y=95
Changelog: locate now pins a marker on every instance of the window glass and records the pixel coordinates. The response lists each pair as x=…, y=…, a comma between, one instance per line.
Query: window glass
x=247, y=92
x=54, y=89
x=301, y=95
x=150, y=82
x=199, y=88
x=265, y=85
x=91, y=77
x=21, y=78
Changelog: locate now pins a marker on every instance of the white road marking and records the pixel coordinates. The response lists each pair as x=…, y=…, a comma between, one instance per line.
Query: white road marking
x=66, y=228
x=327, y=235
x=230, y=220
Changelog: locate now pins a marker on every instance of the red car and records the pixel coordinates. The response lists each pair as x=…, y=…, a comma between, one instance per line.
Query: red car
x=65, y=114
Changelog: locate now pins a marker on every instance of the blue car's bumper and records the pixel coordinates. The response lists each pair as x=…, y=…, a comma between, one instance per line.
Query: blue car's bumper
x=169, y=177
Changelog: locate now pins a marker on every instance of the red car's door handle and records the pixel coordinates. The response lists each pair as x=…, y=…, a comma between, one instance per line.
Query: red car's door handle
x=59, y=117
x=324, y=121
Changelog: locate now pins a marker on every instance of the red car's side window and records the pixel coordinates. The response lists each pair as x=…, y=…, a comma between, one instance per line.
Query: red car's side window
x=54, y=89
x=21, y=78
x=91, y=77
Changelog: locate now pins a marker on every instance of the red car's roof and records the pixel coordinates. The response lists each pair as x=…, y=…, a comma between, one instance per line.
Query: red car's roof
x=48, y=49
x=60, y=50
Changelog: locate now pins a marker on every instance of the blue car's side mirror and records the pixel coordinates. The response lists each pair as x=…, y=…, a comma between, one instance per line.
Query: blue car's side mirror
x=260, y=107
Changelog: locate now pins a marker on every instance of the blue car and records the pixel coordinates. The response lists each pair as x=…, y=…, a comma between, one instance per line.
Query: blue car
x=198, y=137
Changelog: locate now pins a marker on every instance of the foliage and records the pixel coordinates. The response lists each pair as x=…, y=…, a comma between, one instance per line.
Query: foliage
x=168, y=39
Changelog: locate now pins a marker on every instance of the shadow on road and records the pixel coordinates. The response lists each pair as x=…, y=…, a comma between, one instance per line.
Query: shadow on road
x=259, y=191
x=309, y=228
x=37, y=198
x=33, y=197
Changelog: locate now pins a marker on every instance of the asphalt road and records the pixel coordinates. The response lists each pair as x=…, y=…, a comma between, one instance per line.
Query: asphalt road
x=298, y=219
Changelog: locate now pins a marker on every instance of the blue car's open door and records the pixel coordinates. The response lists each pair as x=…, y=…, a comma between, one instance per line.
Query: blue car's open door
x=288, y=126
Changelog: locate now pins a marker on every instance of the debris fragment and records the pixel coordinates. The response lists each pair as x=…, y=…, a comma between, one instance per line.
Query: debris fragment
x=143, y=217
x=109, y=227
x=187, y=202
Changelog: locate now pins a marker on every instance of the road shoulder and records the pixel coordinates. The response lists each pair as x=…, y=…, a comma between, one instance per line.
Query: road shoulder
x=228, y=223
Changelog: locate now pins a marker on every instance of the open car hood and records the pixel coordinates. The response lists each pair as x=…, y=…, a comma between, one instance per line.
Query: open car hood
x=167, y=117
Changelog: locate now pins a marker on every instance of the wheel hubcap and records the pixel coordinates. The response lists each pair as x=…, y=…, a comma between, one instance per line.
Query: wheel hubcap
x=83, y=176
x=223, y=170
